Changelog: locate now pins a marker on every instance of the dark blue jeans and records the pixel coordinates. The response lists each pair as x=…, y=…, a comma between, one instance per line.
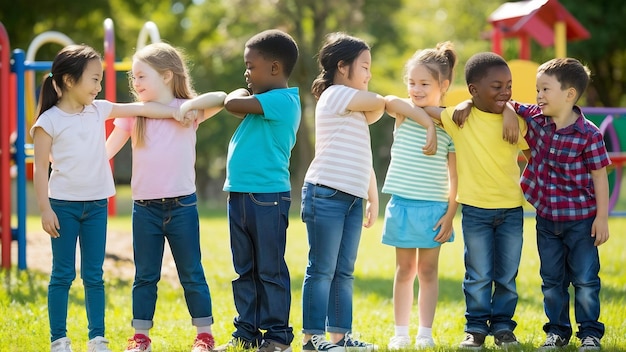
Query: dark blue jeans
x=493, y=248
x=85, y=222
x=262, y=291
x=174, y=219
x=568, y=255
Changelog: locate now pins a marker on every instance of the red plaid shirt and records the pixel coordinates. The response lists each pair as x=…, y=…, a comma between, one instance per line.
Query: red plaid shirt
x=557, y=180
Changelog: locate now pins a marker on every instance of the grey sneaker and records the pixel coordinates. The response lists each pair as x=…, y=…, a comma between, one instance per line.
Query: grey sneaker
x=505, y=339
x=353, y=345
x=273, y=346
x=473, y=341
x=319, y=343
x=61, y=345
x=98, y=344
x=553, y=341
x=589, y=343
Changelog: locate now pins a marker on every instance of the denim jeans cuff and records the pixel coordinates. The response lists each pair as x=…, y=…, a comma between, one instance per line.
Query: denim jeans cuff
x=205, y=321
x=314, y=331
x=139, y=324
x=337, y=330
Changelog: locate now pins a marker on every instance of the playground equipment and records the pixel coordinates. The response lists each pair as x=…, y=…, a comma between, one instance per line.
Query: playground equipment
x=17, y=111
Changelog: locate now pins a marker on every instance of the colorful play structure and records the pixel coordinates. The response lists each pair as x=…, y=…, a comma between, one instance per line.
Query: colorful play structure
x=545, y=21
x=17, y=112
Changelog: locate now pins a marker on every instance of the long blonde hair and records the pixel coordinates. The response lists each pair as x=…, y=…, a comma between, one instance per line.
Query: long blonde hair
x=162, y=57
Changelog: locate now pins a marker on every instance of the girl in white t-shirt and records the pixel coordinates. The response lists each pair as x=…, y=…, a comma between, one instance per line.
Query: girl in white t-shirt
x=164, y=191
x=339, y=178
x=68, y=135
x=418, y=217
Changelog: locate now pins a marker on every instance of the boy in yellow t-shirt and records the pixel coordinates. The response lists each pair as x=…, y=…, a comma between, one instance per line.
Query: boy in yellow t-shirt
x=491, y=201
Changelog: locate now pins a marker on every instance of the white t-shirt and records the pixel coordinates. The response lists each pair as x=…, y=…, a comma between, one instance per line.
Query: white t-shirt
x=80, y=168
x=164, y=167
x=343, y=154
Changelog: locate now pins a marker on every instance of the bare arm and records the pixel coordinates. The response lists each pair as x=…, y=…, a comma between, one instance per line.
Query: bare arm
x=398, y=107
x=147, y=109
x=42, y=146
x=240, y=103
x=371, y=209
x=510, y=125
x=371, y=104
x=116, y=141
x=462, y=112
x=600, y=226
x=445, y=222
x=208, y=103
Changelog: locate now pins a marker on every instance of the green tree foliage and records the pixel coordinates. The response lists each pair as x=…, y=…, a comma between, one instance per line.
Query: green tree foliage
x=604, y=52
x=212, y=34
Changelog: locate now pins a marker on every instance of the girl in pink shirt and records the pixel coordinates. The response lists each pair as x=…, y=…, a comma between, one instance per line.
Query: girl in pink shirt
x=164, y=192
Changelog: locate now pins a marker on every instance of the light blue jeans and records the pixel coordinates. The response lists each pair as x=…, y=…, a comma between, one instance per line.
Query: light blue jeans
x=85, y=222
x=567, y=254
x=493, y=248
x=333, y=221
x=174, y=219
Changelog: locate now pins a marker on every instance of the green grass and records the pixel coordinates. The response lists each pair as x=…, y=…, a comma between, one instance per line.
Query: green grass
x=24, y=321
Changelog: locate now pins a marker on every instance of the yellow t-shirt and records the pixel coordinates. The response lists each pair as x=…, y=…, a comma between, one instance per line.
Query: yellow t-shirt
x=487, y=167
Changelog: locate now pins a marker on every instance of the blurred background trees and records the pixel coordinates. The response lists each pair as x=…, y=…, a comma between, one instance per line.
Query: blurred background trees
x=212, y=34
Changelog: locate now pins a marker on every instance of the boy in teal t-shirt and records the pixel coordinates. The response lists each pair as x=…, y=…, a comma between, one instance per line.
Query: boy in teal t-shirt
x=257, y=179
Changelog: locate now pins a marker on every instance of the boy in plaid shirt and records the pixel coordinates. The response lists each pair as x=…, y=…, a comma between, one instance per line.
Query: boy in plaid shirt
x=566, y=181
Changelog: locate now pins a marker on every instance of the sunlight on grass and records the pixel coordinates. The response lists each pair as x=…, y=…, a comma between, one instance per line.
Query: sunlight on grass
x=24, y=322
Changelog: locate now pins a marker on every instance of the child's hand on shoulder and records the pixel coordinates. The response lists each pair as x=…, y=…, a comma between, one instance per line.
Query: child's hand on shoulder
x=461, y=112
x=510, y=124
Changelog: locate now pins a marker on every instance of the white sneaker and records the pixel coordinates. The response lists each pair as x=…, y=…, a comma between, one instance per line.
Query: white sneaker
x=399, y=342
x=424, y=342
x=98, y=344
x=61, y=345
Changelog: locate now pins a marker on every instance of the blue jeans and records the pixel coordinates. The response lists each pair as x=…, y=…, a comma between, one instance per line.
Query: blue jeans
x=174, y=219
x=85, y=221
x=567, y=254
x=493, y=247
x=333, y=222
x=262, y=291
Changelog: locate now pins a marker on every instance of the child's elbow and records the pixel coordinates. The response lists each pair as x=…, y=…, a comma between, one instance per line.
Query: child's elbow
x=221, y=96
x=230, y=105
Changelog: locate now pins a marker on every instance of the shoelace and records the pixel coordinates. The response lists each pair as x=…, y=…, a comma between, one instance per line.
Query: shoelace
x=351, y=341
x=204, y=342
x=137, y=343
x=589, y=341
x=321, y=344
x=551, y=339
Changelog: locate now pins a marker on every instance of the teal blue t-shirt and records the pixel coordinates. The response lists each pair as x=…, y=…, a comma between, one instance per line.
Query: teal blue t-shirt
x=260, y=148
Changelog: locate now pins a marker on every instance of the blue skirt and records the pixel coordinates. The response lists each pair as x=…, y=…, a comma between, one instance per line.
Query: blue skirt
x=409, y=223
